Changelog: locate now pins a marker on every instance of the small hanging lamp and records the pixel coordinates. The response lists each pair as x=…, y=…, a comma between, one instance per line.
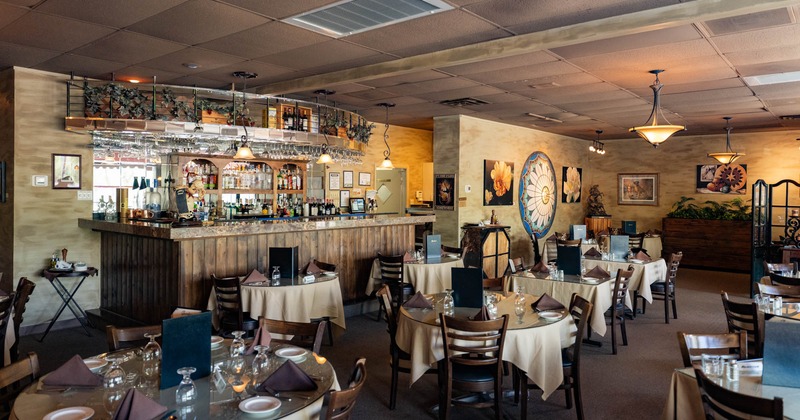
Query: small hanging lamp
x=728, y=156
x=654, y=132
x=244, y=151
x=387, y=162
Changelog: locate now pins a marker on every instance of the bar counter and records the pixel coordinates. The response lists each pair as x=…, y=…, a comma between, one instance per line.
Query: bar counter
x=147, y=269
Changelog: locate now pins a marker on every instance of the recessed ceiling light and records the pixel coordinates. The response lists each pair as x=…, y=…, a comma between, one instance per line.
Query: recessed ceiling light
x=134, y=80
x=772, y=79
x=191, y=65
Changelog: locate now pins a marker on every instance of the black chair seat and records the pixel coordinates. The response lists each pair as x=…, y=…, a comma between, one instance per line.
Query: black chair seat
x=659, y=287
x=232, y=320
x=464, y=373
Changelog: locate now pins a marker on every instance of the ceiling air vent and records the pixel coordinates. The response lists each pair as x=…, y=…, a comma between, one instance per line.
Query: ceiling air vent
x=353, y=16
x=463, y=102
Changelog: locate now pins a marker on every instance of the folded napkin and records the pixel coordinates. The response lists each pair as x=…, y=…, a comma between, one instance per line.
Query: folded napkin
x=137, y=406
x=597, y=272
x=641, y=255
x=418, y=301
x=73, y=373
x=288, y=377
x=262, y=338
x=255, y=276
x=482, y=315
x=546, y=303
x=313, y=268
x=540, y=267
x=592, y=252
x=408, y=258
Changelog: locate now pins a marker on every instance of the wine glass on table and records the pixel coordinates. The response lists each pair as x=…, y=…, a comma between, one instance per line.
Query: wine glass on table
x=115, y=376
x=186, y=392
x=237, y=345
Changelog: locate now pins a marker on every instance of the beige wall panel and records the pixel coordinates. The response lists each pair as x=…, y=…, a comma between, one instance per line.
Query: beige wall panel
x=446, y=152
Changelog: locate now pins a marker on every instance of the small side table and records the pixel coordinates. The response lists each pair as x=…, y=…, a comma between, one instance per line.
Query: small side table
x=67, y=296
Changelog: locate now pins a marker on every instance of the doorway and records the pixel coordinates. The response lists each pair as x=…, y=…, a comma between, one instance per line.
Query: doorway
x=390, y=186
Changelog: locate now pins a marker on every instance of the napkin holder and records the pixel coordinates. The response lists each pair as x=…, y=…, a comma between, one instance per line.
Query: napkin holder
x=309, y=278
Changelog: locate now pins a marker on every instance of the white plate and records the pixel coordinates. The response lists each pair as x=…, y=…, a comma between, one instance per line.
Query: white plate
x=70, y=413
x=262, y=406
x=590, y=280
x=329, y=273
x=550, y=315
x=216, y=341
x=292, y=353
x=95, y=364
x=638, y=261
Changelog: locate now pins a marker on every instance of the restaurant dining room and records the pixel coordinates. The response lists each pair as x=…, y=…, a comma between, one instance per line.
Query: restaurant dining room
x=332, y=209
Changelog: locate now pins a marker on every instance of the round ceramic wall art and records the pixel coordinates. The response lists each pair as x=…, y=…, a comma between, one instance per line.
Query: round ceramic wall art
x=537, y=194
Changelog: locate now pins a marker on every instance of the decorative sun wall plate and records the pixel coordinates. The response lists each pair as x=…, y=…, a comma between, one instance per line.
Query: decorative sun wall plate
x=537, y=194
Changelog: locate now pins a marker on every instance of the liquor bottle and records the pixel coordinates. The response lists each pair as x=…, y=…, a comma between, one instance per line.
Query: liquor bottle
x=299, y=180
x=306, y=208
x=280, y=179
x=268, y=177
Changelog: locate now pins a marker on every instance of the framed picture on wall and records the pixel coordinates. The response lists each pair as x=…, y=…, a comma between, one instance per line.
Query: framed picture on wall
x=498, y=183
x=444, y=195
x=571, y=182
x=364, y=179
x=637, y=189
x=344, y=198
x=722, y=179
x=66, y=171
x=347, y=179
x=334, y=181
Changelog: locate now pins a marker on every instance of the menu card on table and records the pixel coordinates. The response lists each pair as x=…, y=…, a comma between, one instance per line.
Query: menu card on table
x=186, y=341
x=467, y=287
x=781, y=359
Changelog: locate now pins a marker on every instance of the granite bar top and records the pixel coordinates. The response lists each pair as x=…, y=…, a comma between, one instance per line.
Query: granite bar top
x=247, y=227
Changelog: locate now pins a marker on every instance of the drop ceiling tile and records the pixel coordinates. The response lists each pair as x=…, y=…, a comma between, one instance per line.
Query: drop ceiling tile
x=341, y=89
x=18, y=55
x=320, y=54
x=591, y=106
x=646, y=57
x=206, y=59
x=51, y=32
x=193, y=80
x=749, y=22
x=371, y=94
x=267, y=73
x=501, y=64
x=118, y=14
x=24, y=3
x=279, y=9
x=629, y=42
x=784, y=36
x=686, y=70
x=416, y=77
x=82, y=66
x=590, y=92
x=198, y=21
x=470, y=92
x=438, y=85
x=349, y=64
x=145, y=74
x=778, y=91
x=266, y=39
x=769, y=68
x=549, y=69
x=766, y=55
x=500, y=98
x=429, y=109
x=128, y=47
x=10, y=13
x=520, y=18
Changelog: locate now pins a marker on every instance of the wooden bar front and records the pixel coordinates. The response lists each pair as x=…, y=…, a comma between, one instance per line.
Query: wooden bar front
x=146, y=271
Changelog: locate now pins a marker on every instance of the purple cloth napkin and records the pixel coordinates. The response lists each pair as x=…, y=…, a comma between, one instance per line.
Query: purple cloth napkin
x=137, y=406
x=482, y=315
x=547, y=303
x=73, y=373
x=597, y=272
x=255, y=276
x=641, y=255
x=418, y=301
x=262, y=338
x=540, y=267
x=592, y=252
x=408, y=258
x=313, y=268
x=288, y=377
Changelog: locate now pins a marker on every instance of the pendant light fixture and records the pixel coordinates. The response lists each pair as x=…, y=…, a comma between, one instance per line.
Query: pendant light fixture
x=728, y=156
x=654, y=132
x=244, y=151
x=387, y=162
x=597, y=146
x=324, y=157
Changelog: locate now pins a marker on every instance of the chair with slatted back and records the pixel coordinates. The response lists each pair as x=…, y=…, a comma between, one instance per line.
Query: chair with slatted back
x=392, y=276
x=14, y=378
x=498, y=284
x=636, y=243
x=784, y=280
x=664, y=290
x=745, y=316
x=5, y=319
x=617, y=310
x=551, y=249
x=21, y=297
x=332, y=268
x=472, y=361
x=568, y=242
x=232, y=317
x=694, y=345
x=777, y=267
x=123, y=338
x=581, y=310
x=304, y=334
x=719, y=402
x=516, y=265
x=338, y=405
x=787, y=293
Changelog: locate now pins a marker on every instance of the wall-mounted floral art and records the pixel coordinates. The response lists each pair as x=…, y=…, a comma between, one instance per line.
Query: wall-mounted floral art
x=498, y=183
x=571, y=188
x=537, y=194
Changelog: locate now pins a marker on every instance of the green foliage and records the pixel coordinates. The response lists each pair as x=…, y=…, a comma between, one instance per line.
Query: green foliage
x=735, y=209
x=117, y=100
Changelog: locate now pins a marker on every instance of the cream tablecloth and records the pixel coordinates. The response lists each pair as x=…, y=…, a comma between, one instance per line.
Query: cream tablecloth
x=535, y=346
x=652, y=245
x=296, y=303
x=598, y=294
x=644, y=274
x=427, y=277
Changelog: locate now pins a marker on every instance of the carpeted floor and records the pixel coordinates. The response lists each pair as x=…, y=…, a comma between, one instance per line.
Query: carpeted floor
x=631, y=385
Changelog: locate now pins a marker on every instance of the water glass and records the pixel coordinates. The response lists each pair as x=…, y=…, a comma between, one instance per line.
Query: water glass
x=448, y=304
x=712, y=365
x=115, y=376
x=151, y=350
x=261, y=364
x=777, y=305
x=519, y=305
x=186, y=392
x=732, y=371
x=237, y=345
x=491, y=307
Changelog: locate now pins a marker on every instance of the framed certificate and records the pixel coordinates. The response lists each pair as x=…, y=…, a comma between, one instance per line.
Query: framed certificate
x=364, y=179
x=334, y=181
x=347, y=179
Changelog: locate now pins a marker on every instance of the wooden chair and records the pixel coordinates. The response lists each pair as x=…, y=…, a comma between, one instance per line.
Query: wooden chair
x=499, y=284
x=783, y=280
x=777, y=267
x=304, y=334
x=636, y=243
x=551, y=246
x=693, y=345
x=338, y=405
x=5, y=317
x=617, y=310
x=568, y=242
x=14, y=378
x=228, y=292
x=325, y=267
x=581, y=310
x=664, y=290
x=720, y=402
x=451, y=250
x=788, y=293
x=746, y=317
x=515, y=265
x=123, y=338
x=472, y=351
x=21, y=297
x=392, y=275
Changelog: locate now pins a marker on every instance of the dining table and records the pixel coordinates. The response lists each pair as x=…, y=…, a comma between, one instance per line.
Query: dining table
x=534, y=345
x=215, y=400
x=651, y=243
x=299, y=299
x=645, y=273
x=427, y=275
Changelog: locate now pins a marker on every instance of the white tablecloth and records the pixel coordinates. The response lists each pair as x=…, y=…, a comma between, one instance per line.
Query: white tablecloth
x=297, y=303
x=535, y=346
x=644, y=274
x=427, y=277
x=652, y=245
